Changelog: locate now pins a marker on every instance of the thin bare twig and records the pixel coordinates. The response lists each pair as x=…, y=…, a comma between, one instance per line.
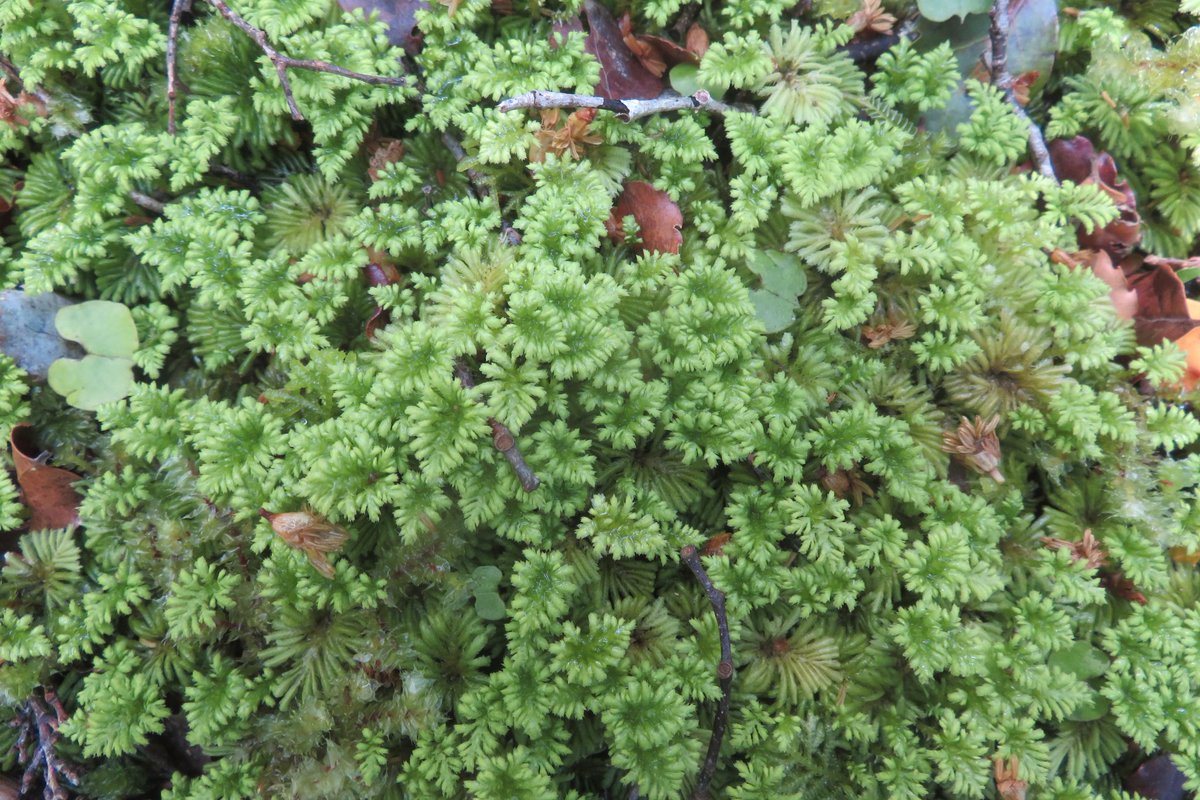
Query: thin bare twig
x=1003, y=80
x=724, y=672
x=178, y=9
x=626, y=110
x=282, y=63
x=146, y=201
x=502, y=437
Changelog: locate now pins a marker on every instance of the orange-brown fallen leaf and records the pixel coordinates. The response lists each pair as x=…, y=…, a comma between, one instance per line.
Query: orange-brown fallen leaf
x=46, y=490
x=386, y=151
x=659, y=219
x=1124, y=299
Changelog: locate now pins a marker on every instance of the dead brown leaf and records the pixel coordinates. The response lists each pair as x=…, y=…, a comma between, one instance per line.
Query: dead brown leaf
x=386, y=151
x=622, y=75
x=46, y=490
x=658, y=217
x=697, y=40
x=1076, y=160
x=1162, y=311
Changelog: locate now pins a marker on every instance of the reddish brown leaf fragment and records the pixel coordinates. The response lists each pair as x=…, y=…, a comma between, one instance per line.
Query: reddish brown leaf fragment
x=561, y=29
x=1158, y=779
x=697, y=40
x=659, y=219
x=1076, y=160
x=46, y=490
x=387, y=151
x=644, y=51
x=1124, y=299
x=622, y=76
x=1162, y=311
x=715, y=545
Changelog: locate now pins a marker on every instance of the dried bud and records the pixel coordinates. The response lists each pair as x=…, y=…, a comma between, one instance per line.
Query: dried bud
x=1088, y=549
x=872, y=17
x=1008, y=779
x=975, y=444
x=890, y=329
x=309, y=533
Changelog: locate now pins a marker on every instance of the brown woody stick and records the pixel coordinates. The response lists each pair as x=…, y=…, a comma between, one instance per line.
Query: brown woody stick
x=502, y=437
x=724, y=672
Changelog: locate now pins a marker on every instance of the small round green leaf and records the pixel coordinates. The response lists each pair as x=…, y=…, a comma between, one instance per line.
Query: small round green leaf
x=776, y=312
x=486, y=578
x=1093, y=708
x=488, y=605
x=685, y=79
x=781, y=273
x=1081, y=660
x=103, y=327
x=91, y=382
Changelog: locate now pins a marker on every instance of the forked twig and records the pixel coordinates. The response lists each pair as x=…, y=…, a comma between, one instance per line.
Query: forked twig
x=502, y=437
x=724, y=672
x=282, y=63
x=1003, y=80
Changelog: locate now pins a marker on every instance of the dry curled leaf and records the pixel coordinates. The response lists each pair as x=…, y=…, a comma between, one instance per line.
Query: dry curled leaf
x=715, y=546
x=308, y=533
x=889, y=329
x=975, y=444
x=1162, y=310
x=1124, y=299
x=644, y=51
x=47, y=491
x=659, y=219
x=1076, y=160
x=570, y=138
x=1022, y=84
x=843, y=482
x=872, y=17
x=622, y=76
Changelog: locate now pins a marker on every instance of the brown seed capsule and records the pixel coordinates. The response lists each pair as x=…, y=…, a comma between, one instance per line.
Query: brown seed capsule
x=976, y=445
x=308, y=533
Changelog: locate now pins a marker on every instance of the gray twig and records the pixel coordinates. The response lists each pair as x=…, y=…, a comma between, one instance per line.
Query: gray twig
x=724, y=672
x=626, y=110
x=1003, y=80
x=146, y=201
x=282, y=63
